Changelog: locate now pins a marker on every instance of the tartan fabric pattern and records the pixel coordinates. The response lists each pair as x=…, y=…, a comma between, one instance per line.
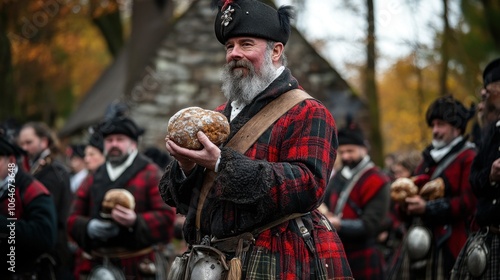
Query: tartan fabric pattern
x=365, y=258
x=401, y=268
x=449, y=225
x=285, y=171
x=289, y=257
x=492, y=271
x=458, y=193
x=154, y=218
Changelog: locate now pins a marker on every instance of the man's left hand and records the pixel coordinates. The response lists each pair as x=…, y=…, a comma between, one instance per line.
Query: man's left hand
x=123, y=216
x=206, y=157
x=415, y=205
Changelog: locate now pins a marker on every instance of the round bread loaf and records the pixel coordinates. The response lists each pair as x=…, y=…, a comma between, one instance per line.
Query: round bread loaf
x=433, y=189
x=402, y=188
x=185, y=124
x=115, y=197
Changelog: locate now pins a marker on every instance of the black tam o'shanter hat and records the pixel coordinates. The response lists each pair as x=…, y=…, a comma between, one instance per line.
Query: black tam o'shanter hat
x=351, y=134
x=491, y=73
x=450, y=110
x=251, y=18
x=121, y=125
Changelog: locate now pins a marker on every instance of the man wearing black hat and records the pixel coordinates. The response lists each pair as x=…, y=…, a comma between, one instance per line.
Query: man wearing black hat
x=127, y=235
x=28, y=224
x=485, y=183
x=446, y=219
x=358, y=202
x=264, y=195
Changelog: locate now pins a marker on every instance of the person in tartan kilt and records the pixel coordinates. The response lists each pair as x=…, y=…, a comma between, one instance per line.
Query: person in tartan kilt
x=485, y=183
x=358, y=203
x=445, y=220
x=284, y=172
x=130, y=239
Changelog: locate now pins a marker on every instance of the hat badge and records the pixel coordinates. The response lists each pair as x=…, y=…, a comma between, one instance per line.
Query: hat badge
x=226, y=16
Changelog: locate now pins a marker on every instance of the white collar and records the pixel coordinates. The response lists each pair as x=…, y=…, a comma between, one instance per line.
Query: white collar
x=77, y=179
x=348, y=173
x=115, y=171
x=438, y=154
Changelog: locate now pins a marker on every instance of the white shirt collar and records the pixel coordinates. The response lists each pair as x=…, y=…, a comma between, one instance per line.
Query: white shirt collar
x=438, y=154
x=115, y=171
x=348, y=173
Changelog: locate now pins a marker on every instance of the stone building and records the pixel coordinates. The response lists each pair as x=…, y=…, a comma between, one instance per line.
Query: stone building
x=183, y=70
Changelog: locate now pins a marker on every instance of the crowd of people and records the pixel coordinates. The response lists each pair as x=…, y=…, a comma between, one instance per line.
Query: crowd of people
x=287, y=196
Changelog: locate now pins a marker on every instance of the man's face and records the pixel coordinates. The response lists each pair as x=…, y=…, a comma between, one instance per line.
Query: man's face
x=250, y=67
x=351, y=155
x=117, y=148
x=443, y=133
x=31, y=143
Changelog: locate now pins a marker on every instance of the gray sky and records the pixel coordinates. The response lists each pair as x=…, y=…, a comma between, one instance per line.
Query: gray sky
x=398, y=23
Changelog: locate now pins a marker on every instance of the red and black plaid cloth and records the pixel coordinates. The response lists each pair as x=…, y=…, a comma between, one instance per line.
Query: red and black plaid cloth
x=284, y=172
x=368, y=202
x=449, y=218
x=154, y=218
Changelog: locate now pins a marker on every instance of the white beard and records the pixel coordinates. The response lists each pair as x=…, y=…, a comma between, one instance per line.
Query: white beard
x=438, y=144
x=243, y=89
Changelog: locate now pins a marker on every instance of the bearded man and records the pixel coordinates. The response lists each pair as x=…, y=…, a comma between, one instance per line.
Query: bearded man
x=268, y=192
x=127, y=238
x=358, y=200
x=443, y=223
x=485, y=183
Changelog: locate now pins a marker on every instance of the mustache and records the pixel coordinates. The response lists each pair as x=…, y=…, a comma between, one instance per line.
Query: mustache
x=239, y=63
x=114, y=149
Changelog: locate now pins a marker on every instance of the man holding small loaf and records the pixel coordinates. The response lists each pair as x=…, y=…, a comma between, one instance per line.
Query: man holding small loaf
x=252, y=204
x=439, y=219
x=118, y=216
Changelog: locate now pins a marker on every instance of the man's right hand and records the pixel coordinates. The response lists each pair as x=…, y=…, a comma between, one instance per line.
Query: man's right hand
x=102, y=230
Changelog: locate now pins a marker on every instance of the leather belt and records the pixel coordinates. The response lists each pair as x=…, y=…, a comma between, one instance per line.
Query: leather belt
x=229, y=245
x=117, y=253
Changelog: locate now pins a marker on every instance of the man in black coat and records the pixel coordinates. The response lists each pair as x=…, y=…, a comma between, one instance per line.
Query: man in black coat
x=42, y=147
x=485, y=183
x=27, y=218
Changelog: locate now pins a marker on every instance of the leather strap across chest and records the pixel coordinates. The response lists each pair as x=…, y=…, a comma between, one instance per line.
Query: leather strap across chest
x=248, y=134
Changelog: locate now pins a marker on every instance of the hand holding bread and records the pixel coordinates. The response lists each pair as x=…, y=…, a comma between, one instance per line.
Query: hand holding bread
x=115, y=197
x=402, y=188
x=184, y=125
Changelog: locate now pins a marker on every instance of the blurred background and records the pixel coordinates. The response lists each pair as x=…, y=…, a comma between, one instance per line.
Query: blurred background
x=383, y=62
